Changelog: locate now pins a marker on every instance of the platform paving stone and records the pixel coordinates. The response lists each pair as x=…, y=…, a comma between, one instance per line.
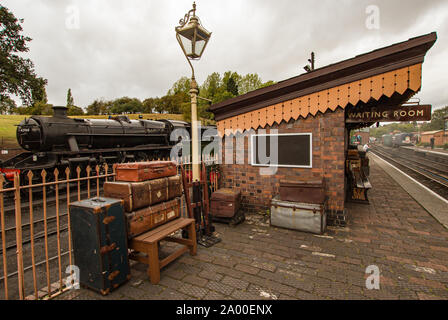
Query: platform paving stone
x=257, y=261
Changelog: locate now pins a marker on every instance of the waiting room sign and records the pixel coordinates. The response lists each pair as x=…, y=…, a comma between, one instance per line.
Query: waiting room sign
x=389, y=114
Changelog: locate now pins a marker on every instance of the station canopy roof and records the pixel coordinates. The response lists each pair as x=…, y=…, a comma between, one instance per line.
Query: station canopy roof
x=386, y=76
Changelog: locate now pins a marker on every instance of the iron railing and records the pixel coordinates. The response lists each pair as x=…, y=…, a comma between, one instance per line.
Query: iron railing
x=36, y=266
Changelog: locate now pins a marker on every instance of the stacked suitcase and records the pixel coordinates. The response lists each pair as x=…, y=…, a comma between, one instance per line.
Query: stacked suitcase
x=151, y=193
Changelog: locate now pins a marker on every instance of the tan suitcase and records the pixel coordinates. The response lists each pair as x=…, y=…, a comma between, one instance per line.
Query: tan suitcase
x=138, y=195
x=142, y=171
x=148, y=218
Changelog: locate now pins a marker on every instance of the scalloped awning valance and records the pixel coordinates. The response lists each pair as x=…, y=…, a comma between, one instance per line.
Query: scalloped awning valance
x=376, y=87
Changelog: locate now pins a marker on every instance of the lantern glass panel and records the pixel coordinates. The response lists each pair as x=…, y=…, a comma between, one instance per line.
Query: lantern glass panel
x=200, y=45
x=187, y=44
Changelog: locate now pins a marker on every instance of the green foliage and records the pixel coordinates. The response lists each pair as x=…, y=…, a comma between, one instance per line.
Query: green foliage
x=38, y=108
x=126, y=105
x=17, y=76
x=436, y=120
x=180, y=86
x=7, y=105
x=219, y=88
x=75, y=111
x=405, y=127
x=70, y=101
x=38, y=91
x=249, y=82
x=98, y=107
x=149, y=105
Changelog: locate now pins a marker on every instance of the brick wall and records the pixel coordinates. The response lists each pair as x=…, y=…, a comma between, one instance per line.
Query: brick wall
x=329, y=145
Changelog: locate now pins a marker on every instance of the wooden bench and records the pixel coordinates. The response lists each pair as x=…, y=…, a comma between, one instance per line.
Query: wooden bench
x=146, y=246
x=360, y=186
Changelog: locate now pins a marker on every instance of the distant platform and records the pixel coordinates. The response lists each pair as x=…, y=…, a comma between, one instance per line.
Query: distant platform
x=435, y=151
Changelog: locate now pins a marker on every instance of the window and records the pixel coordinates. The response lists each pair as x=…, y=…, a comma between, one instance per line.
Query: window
x=294, y=150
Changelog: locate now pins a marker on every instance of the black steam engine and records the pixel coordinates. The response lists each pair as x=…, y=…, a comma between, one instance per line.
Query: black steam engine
x=60, y=142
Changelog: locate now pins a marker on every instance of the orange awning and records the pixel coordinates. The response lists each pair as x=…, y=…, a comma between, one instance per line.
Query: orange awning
x=365, y=90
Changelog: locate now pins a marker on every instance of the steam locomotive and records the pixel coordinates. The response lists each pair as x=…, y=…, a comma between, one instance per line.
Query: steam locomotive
x=61, y=142
x=398, y=140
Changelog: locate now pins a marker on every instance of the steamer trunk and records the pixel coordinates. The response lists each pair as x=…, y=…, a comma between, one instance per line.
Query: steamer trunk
x=299, y=216
x=100, y=248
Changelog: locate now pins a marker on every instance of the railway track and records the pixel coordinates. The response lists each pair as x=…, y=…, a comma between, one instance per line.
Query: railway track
x=430, y=174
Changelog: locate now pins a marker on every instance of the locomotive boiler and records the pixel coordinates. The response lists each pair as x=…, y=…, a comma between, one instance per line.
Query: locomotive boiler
x=60, y=141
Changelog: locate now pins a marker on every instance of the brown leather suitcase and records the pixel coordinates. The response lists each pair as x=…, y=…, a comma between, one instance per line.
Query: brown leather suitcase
x=142, y=171
x=148, y=218
x=225, y=203
x=312, y=192
x=174, y=187
x=138, y=195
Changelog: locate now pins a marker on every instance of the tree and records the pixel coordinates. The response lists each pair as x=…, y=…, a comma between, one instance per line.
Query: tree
x=70, y=101
x=38, y=91
x=75, y=111
x=230, y=82
x=436, y=120
x=211, y=85
x=99, y=107
x=126, y=105
x=149, y=105
x=40, y=108
x=180, y=86
x=17, y=75
x=7, y=105
x=249, y=83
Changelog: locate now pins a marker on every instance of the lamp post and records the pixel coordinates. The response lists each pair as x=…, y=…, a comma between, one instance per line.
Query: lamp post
x=193, y=39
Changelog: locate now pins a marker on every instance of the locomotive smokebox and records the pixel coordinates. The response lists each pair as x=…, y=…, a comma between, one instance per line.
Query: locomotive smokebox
x=60, y=111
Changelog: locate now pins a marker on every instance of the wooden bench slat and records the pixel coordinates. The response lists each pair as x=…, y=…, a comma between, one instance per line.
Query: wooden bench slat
x=162, y=231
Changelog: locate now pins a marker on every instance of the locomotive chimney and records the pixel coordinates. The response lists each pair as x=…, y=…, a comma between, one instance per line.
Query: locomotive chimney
x=60, y=111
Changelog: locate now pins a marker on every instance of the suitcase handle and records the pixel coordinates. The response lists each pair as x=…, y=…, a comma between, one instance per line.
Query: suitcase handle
x=106, y=249
x=108, y=220
x=113, y=275
x=98, y=200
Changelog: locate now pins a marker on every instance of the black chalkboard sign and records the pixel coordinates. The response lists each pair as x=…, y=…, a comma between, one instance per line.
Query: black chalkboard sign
x=294, y=150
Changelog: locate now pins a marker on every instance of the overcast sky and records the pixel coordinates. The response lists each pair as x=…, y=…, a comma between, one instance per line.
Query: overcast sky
x=116, y=48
